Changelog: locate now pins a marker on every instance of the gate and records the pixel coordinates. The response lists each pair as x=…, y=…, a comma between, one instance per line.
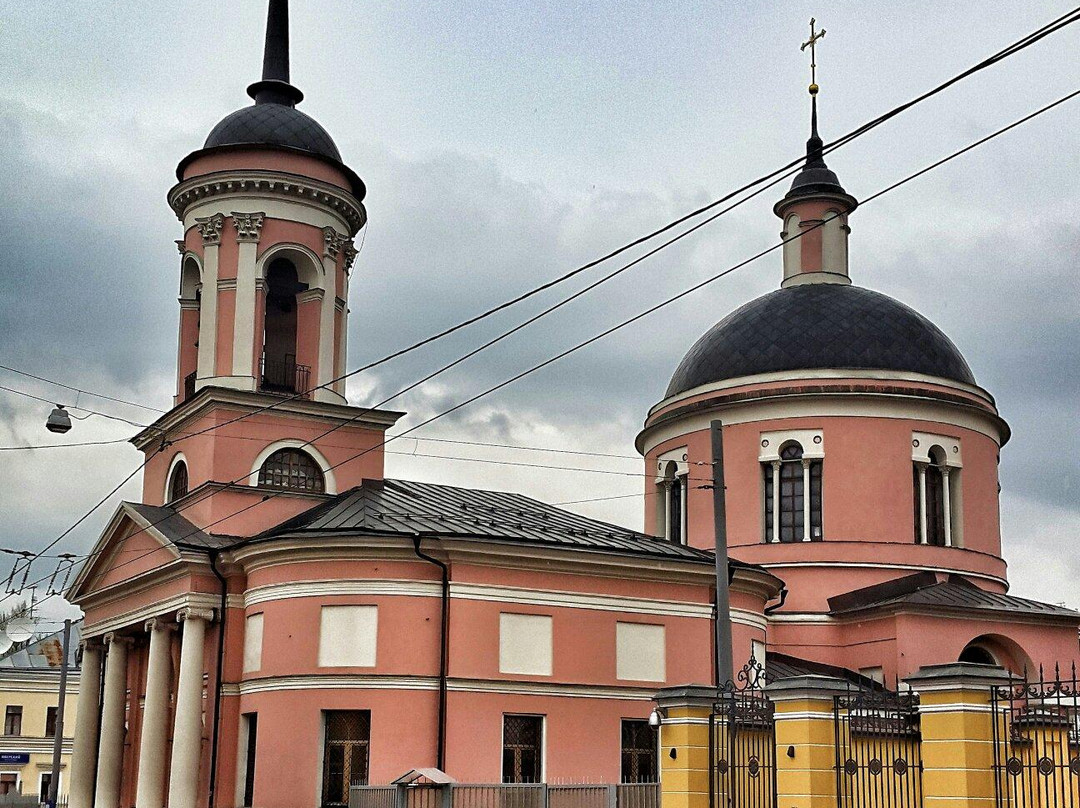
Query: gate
x=878, y=754
x=1036, y=743
x=742, y=744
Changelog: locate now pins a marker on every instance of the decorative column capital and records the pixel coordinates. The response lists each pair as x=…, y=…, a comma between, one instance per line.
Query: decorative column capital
x=158, y=624
x=90, y=644
x=248, y=226
x=114, y=638
x=309, y=295
x=194, y=613
x=181, y=246
x=333, y=241
x=350, y=255
x=210, y=228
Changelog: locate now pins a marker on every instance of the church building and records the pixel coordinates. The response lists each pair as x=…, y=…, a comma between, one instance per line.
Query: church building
x=275, y=619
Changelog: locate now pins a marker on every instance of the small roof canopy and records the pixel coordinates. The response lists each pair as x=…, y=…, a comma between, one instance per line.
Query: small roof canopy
x=424, y=776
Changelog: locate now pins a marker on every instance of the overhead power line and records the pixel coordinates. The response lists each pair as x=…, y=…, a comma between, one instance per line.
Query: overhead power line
x=81, y=390
x=619, y=326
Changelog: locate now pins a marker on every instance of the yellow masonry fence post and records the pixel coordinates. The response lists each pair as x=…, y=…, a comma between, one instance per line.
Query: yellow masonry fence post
x=957, y=725
x=684, y=745
x=805, y=740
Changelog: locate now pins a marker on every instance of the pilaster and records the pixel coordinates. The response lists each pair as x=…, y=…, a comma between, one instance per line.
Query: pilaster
x=248, y=232
x=210, y=228
x=333, y=244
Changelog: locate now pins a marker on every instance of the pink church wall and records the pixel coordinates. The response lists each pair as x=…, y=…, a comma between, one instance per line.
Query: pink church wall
x=307, y=338
x=282, y=231
x=226, y=316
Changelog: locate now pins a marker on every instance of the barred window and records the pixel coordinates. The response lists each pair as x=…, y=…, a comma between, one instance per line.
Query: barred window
x=292, y=469
x=345, y=754
x=639, y=755
x=178, y=482
x=523, y=737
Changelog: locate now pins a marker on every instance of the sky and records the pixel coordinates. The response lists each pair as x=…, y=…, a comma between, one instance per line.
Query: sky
x=502, y=144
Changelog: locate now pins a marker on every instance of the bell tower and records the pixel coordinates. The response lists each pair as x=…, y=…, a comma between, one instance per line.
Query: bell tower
x=269, y=212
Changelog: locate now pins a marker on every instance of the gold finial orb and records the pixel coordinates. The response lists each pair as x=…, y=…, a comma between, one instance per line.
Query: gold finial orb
x=813, y=89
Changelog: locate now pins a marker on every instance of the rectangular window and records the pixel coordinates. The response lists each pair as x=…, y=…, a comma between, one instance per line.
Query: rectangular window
x=523, y=748
x=639, y=756
x=767, y=471
x=345, y=754
x=640, y=652
x=13, y=721
x=9, y=783
x=525, y=644
x=50, y=722
x=251, y=728
x=253, y=641
x=347, y=636
x=43, y=789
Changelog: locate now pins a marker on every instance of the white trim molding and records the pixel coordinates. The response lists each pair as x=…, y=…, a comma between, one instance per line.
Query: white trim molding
x=329, y=482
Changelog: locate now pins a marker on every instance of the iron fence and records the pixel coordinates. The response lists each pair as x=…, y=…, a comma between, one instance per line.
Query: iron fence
x=507, y=795
x=742, y=744
x=284, y=376
x=1036, y=741
x=878, y=749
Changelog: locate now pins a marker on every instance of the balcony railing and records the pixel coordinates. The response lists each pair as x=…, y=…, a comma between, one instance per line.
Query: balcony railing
x=284, y=376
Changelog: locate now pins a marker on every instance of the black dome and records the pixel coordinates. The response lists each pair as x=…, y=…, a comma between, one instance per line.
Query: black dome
x=268, y=124
x=818, y=326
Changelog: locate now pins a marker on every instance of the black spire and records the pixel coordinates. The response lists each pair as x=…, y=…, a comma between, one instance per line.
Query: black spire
x=815, y=177
x=274, y=88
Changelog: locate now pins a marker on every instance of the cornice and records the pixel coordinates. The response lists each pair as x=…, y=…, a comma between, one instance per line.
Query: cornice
x=207, y=398
x=268, y=184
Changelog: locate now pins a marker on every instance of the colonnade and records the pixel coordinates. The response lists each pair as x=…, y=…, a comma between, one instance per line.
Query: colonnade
x=98, y=757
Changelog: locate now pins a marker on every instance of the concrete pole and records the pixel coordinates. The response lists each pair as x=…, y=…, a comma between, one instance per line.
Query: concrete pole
x=111, y=749
x=84, y=754
x=58, y=729
x=150, y=789
x=187, y=731
x=724, y=669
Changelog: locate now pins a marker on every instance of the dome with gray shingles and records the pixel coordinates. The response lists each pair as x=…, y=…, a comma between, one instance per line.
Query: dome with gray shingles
x=817, y=327
x=268, y=124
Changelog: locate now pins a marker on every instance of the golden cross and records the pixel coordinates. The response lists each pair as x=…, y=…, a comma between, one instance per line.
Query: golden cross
x=812, y=43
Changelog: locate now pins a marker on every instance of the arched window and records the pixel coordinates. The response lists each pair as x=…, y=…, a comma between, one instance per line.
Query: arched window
x=178, y=481
x=672, y=488
x=932, y=500
x=279, y=368
x=292, y=469
x=792, y=496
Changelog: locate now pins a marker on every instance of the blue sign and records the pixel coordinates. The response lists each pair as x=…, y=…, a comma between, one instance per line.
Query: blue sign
x=14, y=758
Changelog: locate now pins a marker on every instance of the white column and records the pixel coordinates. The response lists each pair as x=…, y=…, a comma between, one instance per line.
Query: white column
x=776, y=500
x=150, y=790
x=806, y=499
x=188, y=729
x=210, y=227
x=248, y=231
x=350, y=252
x=946, y=503
x=111, y=748
x=684, y=516
x=84, y=753
x=333, y=241
x=666, y=488
x=922, y=503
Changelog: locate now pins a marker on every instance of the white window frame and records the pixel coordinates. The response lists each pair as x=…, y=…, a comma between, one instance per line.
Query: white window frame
x=543, y=742
x=922, y=443
x=664, y=482
x=812, y=442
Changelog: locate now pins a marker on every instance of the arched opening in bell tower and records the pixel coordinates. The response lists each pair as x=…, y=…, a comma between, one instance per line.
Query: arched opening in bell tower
x=280, y=371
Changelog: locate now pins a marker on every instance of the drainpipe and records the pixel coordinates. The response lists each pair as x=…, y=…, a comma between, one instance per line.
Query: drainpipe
x=215, y=738
x=783, y=599
x=444, y=642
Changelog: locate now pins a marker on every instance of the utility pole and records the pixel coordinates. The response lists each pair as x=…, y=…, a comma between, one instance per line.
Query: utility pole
x=58, y=735
x=724, y=669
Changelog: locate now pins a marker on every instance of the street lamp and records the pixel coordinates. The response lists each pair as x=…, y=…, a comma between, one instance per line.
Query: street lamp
x=59, y=421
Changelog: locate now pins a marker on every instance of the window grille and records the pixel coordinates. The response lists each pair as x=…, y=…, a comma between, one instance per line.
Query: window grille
x=522, y=748
x=787, y=483
x=291, y=469
x=178, y=483
x=345, y=754
x=639, y=755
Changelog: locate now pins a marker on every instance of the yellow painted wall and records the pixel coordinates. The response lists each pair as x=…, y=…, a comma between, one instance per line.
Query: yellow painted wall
x=35, y=691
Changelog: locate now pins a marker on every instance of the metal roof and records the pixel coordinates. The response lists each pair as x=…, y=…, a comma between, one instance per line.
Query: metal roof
x=45, y=653
x=382, y=507
x=782, y=666
x=924, y=589
x=178, y=530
